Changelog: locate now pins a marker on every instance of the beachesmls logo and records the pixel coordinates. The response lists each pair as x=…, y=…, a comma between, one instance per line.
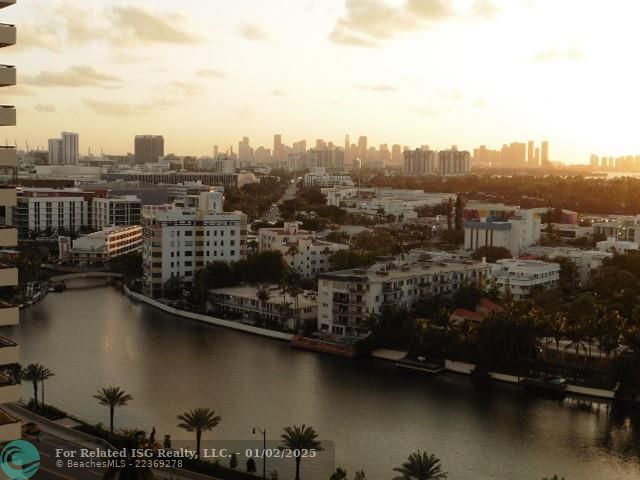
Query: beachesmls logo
x=19, y=460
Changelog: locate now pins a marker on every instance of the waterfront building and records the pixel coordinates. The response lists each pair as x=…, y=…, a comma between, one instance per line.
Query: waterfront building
x=318, y=177
x=496, y=225
x=116, y=211
x=186, y=236
x=9, y=350
x=520, y=278
x=284, y=310
x=301, y=249
x=586, y=261
x=148, y=148
x=347, y=298
x=100, y=247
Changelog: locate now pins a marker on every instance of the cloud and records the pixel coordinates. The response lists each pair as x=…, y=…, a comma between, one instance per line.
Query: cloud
x=211, y=73
x=278, y=93
x=45, y=108
x=78, y=30
x=21, y=90
x=135, y=25
x=190, y=89
x=253, y=32
x=118, y=109
x=43, y=36
x=368, y=22
x=381, y=87
x=77, y=76
x=555, y=54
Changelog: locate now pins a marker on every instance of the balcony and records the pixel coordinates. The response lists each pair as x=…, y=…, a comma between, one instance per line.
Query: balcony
x=8, y=236
x=7, y=3
x=9, y=314
x=9, y=427
x=7, y=35
x=7, y=115
x=8, y=155
x=10, y=384
x=9, y=352
x=7, y=75
x=7, y=196
x=8, y=276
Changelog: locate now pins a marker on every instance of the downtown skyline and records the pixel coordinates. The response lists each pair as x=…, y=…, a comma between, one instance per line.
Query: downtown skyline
x=110, y=72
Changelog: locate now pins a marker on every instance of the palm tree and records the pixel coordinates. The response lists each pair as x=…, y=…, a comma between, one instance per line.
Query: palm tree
x=45, y=374
x=33, y=373
x=132, y=440
x=112, y=397
x=421, y=466
x=199, y=420
x=263, y=295
x=299, y=438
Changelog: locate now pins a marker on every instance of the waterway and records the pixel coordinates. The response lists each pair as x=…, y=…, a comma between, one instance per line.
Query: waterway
x=375, y=416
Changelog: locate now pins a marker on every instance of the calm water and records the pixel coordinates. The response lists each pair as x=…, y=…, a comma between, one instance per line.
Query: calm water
x=93, y=337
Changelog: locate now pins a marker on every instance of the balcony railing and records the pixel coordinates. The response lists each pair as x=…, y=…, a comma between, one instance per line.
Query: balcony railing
x=8, y=276
x=7, y=34
x=7, y=114
x=9, y=314
x=7, y=75
x=8, y=155
x=9, y=352
x=7, y=3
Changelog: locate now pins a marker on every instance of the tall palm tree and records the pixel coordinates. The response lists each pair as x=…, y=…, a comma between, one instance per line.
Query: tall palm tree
x=199, y=420
x=298, y=438
x=112, y=397
x=32, y=373
x=421, y=466
x=263, y=295
x=132, y=440
x=45, y=374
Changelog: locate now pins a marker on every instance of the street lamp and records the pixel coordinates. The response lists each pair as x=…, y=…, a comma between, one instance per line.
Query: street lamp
x=264, y=450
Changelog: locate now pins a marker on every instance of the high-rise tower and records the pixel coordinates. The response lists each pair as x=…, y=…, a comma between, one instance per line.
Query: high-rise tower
x=9, y=350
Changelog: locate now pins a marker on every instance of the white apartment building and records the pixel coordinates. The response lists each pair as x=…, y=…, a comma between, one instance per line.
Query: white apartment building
x=181, y=238
x=516, y=233
x=9, y=350
x=521, y=277
x=55, y=151
x=50, y=210
x=285, y=310
x=116, y=211
x=70, y=148
x=423, y=161
x=621, y=227
x=100, y=247
x=347, y=298
x=612, y=244
x=302, y=250
x=586, y=261
x=318, y=177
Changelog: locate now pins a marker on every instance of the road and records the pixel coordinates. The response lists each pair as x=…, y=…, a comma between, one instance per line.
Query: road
x=273, y=214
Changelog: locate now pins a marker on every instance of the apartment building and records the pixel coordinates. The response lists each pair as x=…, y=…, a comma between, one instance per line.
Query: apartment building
x=100, y=247
x=302, y=250
x=423, y=161
x=520, y=278
x=586, y=261
x=187, y=235
x=501, y=226
x=116, y=211
x=318, y=177
x=285, y=310
x=347, y=298
x=9, y=350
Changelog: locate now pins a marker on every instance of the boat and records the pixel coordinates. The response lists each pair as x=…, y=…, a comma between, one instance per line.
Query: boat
x=420, y=364
x=555, y=386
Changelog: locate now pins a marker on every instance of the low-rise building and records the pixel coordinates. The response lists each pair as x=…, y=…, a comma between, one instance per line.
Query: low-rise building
x=586, y=261
x=612, y=244
x=282, y=309
x=347, y=298
x=319, y=177
x=116, y=211
x=302, y=249
x=100, y=247
x=186, y=236
x=520, y=278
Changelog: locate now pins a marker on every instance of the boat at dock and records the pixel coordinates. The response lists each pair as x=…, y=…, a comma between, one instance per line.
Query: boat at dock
x=420, y=364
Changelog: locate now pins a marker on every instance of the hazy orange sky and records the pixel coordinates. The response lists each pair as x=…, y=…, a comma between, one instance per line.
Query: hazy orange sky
x=414, y=72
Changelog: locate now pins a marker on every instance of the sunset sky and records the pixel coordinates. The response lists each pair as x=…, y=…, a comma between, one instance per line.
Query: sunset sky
x=414, y=72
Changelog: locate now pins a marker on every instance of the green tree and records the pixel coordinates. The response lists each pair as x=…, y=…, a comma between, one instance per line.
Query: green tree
x=491, y=254
x=263, y=294
x=233, y=461
x=129, y=265
x=421, y=466
x=251, y=466
x=199, y=420
x=346, y=259
x=129, y=470
x=33, y=373
x=112, y=397
x=339, y=474
x=298, y=438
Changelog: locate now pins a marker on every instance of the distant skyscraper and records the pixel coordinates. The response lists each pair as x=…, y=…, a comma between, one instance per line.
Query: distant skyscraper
x=245, y=152
x=70, y=146
x=537, y=155
x=362, y=147
x=147, y=148
x=454, y=162
x=278, y=152
x=545, y=153
x=530, y=150
x=55, y=151
x=396, y=154
x=594, y=161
